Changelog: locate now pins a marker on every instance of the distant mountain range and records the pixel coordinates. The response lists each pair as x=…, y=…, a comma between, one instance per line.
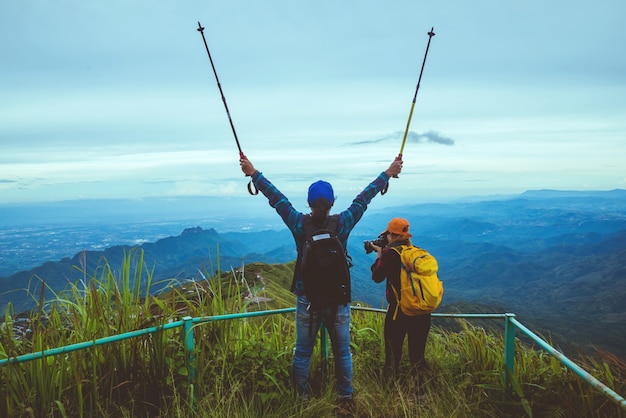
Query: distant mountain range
x=556, y=259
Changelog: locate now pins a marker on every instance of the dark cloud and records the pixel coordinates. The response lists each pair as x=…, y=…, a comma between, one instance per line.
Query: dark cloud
x=432, y=136
x=412, y=137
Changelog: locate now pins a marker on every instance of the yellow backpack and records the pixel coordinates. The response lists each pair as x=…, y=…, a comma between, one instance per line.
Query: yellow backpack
x=420, y=290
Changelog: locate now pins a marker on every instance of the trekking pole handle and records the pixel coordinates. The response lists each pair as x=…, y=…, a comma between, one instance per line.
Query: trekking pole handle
x=398, y=158
x=386, y=187
x=251, y=187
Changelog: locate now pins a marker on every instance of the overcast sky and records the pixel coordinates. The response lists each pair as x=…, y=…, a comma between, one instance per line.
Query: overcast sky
x=117, y=99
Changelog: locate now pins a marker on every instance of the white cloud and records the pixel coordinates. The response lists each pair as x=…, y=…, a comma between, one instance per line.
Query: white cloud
x=128, y=101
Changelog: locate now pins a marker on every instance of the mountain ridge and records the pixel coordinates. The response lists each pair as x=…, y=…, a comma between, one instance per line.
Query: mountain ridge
x=555, y=261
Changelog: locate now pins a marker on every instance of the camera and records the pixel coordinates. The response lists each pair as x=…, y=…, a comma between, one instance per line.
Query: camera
x=381, y=241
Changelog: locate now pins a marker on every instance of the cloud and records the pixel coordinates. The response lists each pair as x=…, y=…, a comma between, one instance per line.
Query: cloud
x=412, y=137
x=432, y=136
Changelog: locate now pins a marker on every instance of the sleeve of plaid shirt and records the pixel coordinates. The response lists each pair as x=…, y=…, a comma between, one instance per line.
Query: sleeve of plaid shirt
x=293, y=218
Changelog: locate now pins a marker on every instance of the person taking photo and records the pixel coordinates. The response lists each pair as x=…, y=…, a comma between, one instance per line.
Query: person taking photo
x=402, y=319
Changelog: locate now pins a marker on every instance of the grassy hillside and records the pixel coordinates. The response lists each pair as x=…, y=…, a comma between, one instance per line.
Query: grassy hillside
x=242, y=365
x=553, y=258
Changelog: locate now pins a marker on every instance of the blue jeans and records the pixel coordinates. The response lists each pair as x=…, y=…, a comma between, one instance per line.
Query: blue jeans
x=339, y=331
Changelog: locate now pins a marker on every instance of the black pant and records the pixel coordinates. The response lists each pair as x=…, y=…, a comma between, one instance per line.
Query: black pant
x=417, y=327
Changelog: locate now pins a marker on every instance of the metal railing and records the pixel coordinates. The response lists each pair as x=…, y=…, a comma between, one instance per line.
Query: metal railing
x=510, y=326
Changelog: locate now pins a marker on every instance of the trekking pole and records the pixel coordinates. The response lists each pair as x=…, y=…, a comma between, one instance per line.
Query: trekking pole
x=408, y=123
x=251, y=189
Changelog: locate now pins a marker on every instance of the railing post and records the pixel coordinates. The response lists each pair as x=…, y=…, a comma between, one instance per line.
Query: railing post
x=188, y=342
x=509, y=350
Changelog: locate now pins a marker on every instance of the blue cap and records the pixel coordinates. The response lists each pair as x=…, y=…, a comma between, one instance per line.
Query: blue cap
x=319, y=189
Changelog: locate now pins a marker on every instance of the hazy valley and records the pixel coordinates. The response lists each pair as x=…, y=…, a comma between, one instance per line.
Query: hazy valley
x=556, y=259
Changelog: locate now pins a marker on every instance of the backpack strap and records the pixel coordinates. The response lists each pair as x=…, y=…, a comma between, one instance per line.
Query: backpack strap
x=397, y=292
x=332, y=223
x=307, y=226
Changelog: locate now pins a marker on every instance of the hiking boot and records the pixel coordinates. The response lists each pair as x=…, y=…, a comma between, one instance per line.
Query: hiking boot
x=345, y=407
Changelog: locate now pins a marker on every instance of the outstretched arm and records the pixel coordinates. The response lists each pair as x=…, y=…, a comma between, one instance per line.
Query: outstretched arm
x=276, y=199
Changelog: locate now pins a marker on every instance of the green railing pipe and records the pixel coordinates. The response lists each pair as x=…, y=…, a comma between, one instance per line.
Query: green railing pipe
x=188, y=340
x=510, y=325
x=202, y=319
x=439, y=315
x=188, y=335
x=571, y=365
x=88, y=344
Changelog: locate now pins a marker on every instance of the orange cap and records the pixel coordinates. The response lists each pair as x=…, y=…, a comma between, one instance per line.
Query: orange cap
x=398, y=226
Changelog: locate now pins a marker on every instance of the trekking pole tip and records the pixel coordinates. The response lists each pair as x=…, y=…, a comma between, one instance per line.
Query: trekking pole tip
x=431, y=33
x=200, y=28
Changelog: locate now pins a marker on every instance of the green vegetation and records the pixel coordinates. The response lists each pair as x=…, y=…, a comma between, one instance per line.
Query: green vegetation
x=242, y=365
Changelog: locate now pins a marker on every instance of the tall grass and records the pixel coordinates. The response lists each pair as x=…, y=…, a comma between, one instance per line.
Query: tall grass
x=242, y=365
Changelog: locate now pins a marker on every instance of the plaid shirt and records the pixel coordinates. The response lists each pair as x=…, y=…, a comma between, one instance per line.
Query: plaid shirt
x=294, y=219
